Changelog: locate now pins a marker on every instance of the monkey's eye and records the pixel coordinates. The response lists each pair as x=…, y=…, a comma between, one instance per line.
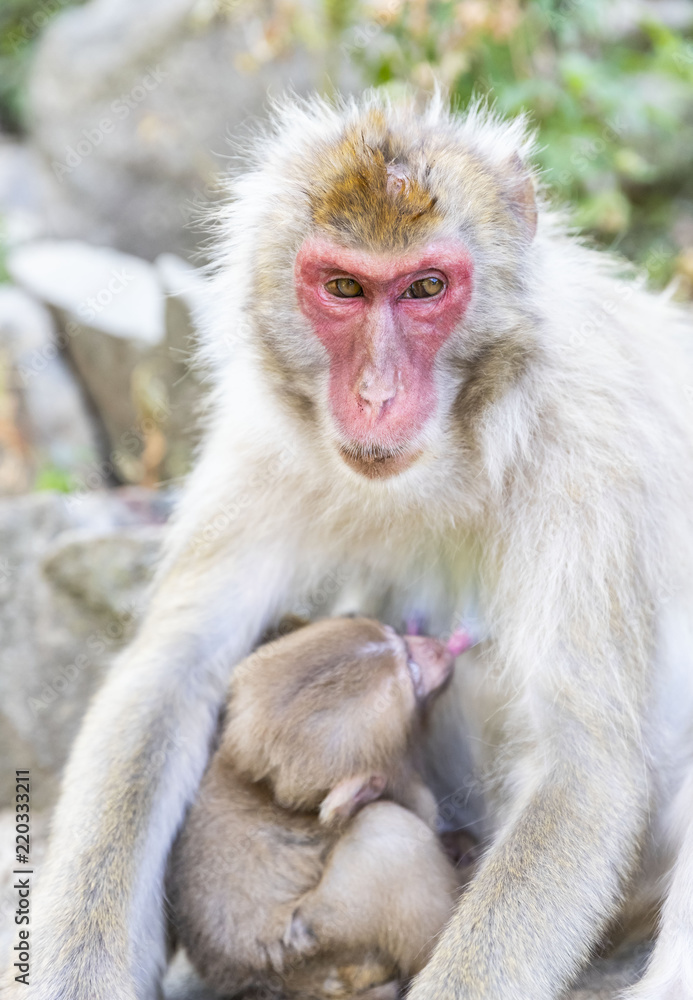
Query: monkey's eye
x=424, y=288
x=344, y=288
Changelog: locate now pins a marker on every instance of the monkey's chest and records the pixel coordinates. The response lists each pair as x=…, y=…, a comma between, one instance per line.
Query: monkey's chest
x=428, y=583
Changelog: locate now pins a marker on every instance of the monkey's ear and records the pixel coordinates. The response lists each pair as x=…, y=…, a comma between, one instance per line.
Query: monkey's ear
x=349, y=795
x=521, y=195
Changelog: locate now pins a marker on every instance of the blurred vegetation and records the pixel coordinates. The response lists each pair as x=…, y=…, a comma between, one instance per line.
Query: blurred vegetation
x=54, y=479
x=611, y=91
x=609, y=86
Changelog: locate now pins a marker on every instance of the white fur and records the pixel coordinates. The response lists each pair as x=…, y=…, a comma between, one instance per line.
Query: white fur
x=570, y=517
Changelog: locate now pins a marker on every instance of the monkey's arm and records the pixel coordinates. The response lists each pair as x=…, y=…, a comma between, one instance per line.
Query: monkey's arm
x=98, y=919
x=578, y=794
x=545, y=891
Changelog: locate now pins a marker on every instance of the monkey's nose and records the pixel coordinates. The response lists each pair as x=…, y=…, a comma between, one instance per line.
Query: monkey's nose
x=375, y=394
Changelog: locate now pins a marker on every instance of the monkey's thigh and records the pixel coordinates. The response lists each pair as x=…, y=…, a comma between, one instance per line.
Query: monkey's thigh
x=387, y=885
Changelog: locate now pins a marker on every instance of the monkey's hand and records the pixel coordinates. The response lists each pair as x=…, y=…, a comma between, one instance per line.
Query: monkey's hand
x=546, y=890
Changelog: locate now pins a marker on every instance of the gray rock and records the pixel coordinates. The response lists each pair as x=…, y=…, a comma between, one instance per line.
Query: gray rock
x=132, y=103
x=129, y=331
x=104, y=573
x=23, y=192
x=114, y=293
x=73, y=575
x=47, y=427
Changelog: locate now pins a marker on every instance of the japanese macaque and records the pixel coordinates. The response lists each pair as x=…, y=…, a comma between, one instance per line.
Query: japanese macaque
x=425, y=386
x=277, y=880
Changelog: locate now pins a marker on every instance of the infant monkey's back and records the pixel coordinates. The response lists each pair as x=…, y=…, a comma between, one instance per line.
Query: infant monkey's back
x=308, y=865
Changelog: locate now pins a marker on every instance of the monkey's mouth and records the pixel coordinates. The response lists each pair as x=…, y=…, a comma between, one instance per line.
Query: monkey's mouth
x=376, y=462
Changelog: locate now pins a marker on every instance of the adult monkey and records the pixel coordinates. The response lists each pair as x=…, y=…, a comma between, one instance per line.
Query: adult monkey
x=462, y=390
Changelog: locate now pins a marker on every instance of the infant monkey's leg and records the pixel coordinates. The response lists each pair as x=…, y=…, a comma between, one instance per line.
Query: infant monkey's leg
x=387, y=885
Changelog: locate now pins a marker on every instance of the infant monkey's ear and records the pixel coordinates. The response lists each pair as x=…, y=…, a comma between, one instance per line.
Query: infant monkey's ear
x=348, y=795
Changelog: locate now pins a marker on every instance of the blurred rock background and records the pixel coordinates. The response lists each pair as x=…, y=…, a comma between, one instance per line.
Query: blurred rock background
x=115, y=124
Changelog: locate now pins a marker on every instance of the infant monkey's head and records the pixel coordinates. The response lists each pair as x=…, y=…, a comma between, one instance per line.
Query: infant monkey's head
x=327, y=715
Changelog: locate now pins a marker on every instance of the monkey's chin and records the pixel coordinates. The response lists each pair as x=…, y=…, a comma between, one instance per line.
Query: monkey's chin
x=378, y=463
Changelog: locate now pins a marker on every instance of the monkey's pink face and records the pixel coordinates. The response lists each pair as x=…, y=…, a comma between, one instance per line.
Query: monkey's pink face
x=382, y=319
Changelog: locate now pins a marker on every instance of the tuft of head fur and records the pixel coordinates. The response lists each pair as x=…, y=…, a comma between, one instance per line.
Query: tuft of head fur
x=371, y=192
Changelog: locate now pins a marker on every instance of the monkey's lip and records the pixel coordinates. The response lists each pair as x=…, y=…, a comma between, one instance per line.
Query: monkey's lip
x=377, y=463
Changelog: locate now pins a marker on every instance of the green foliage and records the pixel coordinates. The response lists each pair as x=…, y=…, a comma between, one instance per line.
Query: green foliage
x=54, y=479
x=613, y=103
x=614, y=108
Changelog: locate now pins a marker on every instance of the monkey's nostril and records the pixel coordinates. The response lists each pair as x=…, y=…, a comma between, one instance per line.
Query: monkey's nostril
x=376, y=401
x=374, y=410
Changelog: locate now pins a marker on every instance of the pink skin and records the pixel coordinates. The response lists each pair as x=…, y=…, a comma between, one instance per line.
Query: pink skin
x=430, y=664
x=460, y=641
x=382, y=347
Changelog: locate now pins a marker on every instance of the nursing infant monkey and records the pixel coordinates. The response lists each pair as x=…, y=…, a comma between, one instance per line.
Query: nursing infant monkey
x=304, y=895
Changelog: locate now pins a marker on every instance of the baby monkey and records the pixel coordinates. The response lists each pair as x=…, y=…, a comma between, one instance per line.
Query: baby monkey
x=288, y=878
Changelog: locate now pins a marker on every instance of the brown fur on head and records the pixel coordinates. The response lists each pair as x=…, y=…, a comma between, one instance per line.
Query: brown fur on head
x=324, y=706
x=376, y=189
x=369, y=192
